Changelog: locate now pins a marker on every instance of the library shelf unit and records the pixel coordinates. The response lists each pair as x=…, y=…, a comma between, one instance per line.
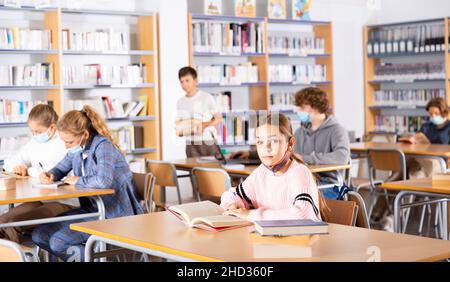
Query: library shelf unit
x=146, y=28
x=409, y=108
x=260, y=92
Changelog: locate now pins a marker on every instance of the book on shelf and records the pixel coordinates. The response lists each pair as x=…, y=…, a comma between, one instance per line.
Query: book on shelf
x=276, y=9
x=129, y=138
x=399, y=124
x=212, y=7
x=407, y=98
x=223, y=101
x=245, y=8
x=296, y=45
x=228, y=38
x=409, y=72
x=102, y=40
x=98, y=74
x=228, y=74
x=237, y=128
x=25, y=39
x=290, y=227
x=206, y=215
x=12, y=3
x=13, y=111
x=297, y=74
x=283, y=101
x=40, y=74
x=300, y=9
x=109, y=108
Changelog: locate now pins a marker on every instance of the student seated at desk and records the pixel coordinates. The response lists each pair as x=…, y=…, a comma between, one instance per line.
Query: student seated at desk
x=97, y=163
x=46, y=149
x=436, y=131
x=321, y=140
x=282, y=187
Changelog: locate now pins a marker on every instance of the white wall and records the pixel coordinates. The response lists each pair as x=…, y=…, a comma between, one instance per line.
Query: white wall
x=401, y=10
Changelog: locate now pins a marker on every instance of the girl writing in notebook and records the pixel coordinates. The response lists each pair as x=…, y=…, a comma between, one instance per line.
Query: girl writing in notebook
x=45, y=149
x=282, y=187
x=97, y=163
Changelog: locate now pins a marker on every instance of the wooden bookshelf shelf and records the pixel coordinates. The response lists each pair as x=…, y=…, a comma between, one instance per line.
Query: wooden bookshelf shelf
x=298, y=56
x=372, y=86
x=300, y=84
x=298, y=22
x=226, y=18
x=206, y=54
x=214, y=85
x=147, y=53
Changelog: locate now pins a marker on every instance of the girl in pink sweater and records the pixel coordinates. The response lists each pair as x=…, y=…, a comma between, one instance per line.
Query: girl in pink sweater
x=282, y=187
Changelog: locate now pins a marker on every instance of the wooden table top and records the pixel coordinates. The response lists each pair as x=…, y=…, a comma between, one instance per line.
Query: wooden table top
x=165, y=233
x=25, y=193
x=421, y=185
x=409, y=149
x=193, y=162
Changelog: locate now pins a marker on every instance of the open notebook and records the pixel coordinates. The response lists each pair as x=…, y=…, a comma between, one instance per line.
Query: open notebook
x=207, y=215
x=54, y=185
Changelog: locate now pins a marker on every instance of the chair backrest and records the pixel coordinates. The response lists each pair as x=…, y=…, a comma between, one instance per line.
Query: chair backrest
x=165, y=173
x=11, y=252
x=145, y=183
x=210, y=182
x=387, y=160
x=340, y=212
x=362, y=219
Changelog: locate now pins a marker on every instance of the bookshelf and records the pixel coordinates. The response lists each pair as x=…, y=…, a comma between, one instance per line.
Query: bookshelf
x=143, y=32
x=397, y=104
x=260, y=93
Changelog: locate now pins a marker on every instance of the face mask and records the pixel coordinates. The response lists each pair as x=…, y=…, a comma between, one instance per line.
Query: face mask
x=278, y=166
x=304, y=117
x=76, y=150
x=41, y=138
x=437, y=120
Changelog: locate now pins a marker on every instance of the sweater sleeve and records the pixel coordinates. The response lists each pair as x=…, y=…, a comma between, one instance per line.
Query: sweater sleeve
x=243, y=196
x=304, y=198
x=340, y=150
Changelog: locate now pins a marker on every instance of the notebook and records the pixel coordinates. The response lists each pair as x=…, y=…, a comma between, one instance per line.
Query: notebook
x=54, y=185
x=207, y=215
x=290, y=227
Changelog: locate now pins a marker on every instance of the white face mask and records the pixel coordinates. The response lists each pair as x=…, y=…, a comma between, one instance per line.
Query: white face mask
x=41, y=138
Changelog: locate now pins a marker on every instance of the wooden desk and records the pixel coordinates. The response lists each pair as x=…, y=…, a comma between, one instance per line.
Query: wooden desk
x=409, y=149
x=421, y=188
x=25, y=193
x=161, y=234
x=189, y=164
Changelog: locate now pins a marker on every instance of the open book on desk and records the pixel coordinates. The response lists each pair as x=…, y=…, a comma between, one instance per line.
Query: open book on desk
x=208, y=216
x=54, y=185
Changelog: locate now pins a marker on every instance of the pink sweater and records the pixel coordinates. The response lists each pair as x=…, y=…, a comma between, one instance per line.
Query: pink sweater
x=270, y=197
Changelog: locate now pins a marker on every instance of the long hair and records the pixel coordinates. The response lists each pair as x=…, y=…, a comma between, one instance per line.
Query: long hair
x=76, y=122
x=284, y=125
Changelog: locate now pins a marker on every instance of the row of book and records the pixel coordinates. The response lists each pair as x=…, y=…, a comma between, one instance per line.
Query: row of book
x=228, y=38
x=10, y=146
x=407, y=98
x=297, y=74
x=423, y=38
x=409, y=72
x=97, y=74
x=223, y=101
x=28, y=39
x=296, y=45
x=237, y=129
x=100, y=40
x=112, y=108
x=12, y=111
x=399, y=124
x=228, y=74
x=282, y=101
x=129, y=137
x=40, y=74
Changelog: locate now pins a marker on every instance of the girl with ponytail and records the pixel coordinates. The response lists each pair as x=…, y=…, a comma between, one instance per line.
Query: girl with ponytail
x=282, y=187
x=97, y=163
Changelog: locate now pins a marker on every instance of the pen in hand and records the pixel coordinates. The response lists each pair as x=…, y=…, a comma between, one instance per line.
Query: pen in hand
x=47, y=174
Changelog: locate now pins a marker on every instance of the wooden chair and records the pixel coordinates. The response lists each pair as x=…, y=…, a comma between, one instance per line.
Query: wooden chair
x=11, y=252
x=210, y=183
x=362, y=219
x=340, y=212
x=166, y=176
x=145, y=183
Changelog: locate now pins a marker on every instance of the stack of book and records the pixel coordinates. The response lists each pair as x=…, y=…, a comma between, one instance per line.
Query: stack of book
x=399, y=124
x=407, y=98
x=25, y=39
x=17, y=111
x=129, y=138
x=112, y=108
x=40, y=74
x=228, y=38
x=282, y=101
x=296, y=45
x=228, y=74
x=223, y=101
x=97, y=74
x=297, y=74
x=107, y=40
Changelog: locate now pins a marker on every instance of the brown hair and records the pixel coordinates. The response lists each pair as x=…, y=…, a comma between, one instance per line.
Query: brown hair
x=284, y=125
x=76, y=122
x=187, y=71
x=439, y=103
x=313, y=96
x=43, y=114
